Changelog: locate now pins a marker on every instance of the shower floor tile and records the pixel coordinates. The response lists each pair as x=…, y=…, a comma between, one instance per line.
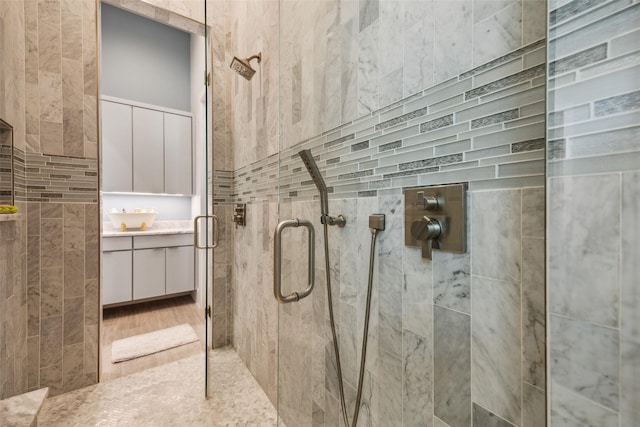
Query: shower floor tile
x=168, y=395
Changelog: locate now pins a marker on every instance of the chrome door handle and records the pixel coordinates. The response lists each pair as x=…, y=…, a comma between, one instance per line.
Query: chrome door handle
x=196, y=241
x=277, y=260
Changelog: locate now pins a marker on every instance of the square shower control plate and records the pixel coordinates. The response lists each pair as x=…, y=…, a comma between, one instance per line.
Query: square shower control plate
x=445, y=204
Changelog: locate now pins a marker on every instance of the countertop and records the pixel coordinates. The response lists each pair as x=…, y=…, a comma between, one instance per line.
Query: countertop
x=159, y=228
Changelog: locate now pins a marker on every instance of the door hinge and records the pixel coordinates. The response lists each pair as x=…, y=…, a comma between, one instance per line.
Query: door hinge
x=207, y=78
x=207, y=311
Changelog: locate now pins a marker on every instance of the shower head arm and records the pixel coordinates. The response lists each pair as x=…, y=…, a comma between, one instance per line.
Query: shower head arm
x=258, y=56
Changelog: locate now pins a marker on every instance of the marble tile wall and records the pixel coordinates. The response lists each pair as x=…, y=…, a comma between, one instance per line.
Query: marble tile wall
x=593, y=151
x=50, y=97
x=453, y=341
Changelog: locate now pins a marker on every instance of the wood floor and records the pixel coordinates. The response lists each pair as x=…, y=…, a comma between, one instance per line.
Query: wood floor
x=126, y=321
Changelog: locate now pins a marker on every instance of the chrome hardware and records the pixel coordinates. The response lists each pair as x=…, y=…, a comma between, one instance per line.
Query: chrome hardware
x=277, y=260
x=429, y=203
x=339, y=220
x=196, y=241
x=444, y=227
x=427, y=230
x=240, y=214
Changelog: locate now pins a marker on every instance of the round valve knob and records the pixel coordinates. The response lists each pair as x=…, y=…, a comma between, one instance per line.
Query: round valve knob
x=426, y=229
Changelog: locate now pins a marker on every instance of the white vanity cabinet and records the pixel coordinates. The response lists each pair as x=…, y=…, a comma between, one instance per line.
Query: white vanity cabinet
x=117, y=157
x=145, y=149
x=117, y=270
x=148, y=151
x=142, y=267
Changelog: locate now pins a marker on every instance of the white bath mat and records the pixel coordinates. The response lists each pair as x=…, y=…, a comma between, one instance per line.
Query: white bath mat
x=152, y=342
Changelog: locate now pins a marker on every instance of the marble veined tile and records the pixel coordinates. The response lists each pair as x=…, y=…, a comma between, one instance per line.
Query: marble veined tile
x=484, y=418
x=584, y=248
x=496, y=234
x=452, y=367
x=585, y=358
x=533, y=312
x=572, y=410
x=452, y=280
x=417, y=377
x=236, y=399
x=498, y=34
x=496, y=337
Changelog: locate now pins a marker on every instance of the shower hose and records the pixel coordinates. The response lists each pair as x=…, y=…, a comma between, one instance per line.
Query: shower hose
x=365, y=333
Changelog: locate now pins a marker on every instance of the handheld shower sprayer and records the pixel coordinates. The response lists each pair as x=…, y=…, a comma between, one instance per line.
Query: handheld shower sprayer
x=312, y=168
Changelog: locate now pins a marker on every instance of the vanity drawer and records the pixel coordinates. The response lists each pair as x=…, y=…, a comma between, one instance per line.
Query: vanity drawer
x=162, y=241
x=116, y=243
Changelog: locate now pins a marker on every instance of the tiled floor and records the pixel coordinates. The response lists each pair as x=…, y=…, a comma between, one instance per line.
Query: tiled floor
x=168, y=395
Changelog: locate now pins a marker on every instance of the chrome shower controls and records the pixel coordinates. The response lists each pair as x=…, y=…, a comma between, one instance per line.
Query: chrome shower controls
x=435, y=218
x=240, y=214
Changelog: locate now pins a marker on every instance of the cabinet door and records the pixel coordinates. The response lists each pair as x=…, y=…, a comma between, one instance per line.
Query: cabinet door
x=177, y=154
x=117, y=163
x=180, y=269
x=148, y=151
x=148, y=273
x=116, y=277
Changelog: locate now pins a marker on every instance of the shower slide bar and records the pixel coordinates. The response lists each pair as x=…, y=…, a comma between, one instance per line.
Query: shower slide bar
x=277, y=260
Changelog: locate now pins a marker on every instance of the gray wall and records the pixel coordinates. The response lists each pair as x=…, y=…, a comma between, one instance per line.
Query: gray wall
x=594, y=154
x=144, y=61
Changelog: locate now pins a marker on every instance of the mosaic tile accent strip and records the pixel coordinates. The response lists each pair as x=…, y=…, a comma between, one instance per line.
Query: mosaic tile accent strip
x=61, y=179
x=465, y=129
x=222, y=187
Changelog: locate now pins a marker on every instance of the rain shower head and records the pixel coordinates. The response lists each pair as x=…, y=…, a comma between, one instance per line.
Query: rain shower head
x=243, y=66
x=312, y=167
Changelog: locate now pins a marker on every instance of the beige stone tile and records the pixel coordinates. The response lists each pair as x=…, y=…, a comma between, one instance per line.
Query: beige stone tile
x=92, y=302
x=73, y=320
x=49, y=47
x=73, y=132
x=89, y=47
x=71, y=29
x=33, y=261
x=52, y=210
x=32, y=108
x=51, y=243
x=50, y=96
x=73, y=273
x=51, y=138
x=90, y=126
x=72, y=367
x=51, y=377
x=72, y=87
x=51, y=292
x=33, y=311
x=73, y=227
x=31, y=41
x=33, y=361
x=50, y=342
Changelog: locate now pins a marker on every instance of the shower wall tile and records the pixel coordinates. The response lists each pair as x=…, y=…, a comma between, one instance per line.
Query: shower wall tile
x=49, y=65
x=417, y=308
x=585, y=251
x=452, y=367
x=496, y=337
x=482, y=417
x=585, y=358
x=495, y=215
x=570, y=408
x=533, y=312
x=534, y=412
x=417, y=375
x=390, y=373
x=368, y=153
x=452, y=281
